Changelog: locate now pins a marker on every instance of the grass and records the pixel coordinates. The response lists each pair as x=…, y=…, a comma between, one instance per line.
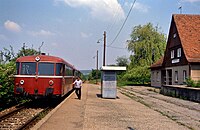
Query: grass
x=121, y=83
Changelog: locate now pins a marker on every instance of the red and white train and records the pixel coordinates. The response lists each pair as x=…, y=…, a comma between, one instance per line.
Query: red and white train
x=44, y=76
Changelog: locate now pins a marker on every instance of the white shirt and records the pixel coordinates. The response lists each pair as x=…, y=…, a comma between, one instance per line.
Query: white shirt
x=77, y=83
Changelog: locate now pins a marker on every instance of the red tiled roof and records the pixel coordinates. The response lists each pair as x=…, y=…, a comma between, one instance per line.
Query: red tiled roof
x=188, y=27
x=158, y=63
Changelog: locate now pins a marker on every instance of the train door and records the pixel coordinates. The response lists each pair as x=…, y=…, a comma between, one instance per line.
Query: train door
x=63, y=79
x=36, y=80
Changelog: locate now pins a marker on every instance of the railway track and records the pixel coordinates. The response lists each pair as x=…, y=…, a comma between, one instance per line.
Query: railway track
x=183, y=112
x=19, y=118
x=27, y=115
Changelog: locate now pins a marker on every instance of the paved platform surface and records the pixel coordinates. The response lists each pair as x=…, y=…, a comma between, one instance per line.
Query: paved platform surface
x=94, y=113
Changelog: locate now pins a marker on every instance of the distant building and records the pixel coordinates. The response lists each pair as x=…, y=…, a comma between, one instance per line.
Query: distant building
x=182, y=55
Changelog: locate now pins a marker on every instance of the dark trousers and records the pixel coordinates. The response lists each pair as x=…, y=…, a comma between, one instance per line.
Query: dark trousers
x=78, y=92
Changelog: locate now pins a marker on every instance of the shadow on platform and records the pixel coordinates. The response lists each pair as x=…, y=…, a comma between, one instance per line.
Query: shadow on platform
x=100, y=96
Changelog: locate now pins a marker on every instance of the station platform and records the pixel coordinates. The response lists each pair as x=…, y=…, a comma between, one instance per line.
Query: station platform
x=95, y=113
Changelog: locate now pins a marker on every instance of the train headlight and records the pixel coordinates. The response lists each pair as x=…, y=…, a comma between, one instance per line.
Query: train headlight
x=21, y=82
x=37, y=58
x=51, y=82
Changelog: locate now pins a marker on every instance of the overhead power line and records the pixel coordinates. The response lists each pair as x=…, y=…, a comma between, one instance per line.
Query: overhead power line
x=122, y=24
x=115, y=17
x=117, y=47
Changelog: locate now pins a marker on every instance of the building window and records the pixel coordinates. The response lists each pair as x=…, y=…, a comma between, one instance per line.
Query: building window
x=153, y=76
x=179, y=52
x=174, y=35
x=184, y=75
x=172, y=54
x=157, y=77
x=176, y=76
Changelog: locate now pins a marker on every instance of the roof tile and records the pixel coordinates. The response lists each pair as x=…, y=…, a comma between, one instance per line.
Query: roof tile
x=188, y=27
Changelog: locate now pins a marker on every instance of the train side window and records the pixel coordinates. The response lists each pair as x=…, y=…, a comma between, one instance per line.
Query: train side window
x=68, y=71
x=45, y=68
x=28, y=68
x=59, y=69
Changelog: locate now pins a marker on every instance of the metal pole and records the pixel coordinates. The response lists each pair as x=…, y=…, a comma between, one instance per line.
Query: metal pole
x=97, y=69
x=104, y=49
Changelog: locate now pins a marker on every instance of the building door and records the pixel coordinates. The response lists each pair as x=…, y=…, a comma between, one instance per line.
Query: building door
x=163, y=77
x=169, y=77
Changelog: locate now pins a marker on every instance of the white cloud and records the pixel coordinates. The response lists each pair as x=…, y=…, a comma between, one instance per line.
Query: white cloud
x=12, y=26
x=191, y=1
x=85, y=35
x=138, y=6
x=101, y=9
x=42, y=33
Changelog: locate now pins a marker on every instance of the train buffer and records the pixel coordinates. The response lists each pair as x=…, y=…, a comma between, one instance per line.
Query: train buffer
x=93, y=112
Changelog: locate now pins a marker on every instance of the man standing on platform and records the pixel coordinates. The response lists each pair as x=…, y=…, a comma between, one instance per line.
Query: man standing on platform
x=77, y=85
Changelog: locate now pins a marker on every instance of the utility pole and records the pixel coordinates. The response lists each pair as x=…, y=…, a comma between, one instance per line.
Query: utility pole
x=97, y=69
x=104, y=49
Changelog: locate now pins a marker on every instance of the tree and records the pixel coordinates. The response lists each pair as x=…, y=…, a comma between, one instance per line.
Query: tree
x=92, y=74
x=8, y=55
x=7, y=70
x=146, y=44
x=122, y=61
x=27, y=51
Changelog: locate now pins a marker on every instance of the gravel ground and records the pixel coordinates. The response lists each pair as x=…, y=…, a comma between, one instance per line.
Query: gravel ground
x=125, y=113
x=183, y=112
x=143, y=109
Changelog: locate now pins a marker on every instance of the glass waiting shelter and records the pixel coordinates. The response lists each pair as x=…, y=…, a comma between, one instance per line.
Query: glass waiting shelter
x=109, y=81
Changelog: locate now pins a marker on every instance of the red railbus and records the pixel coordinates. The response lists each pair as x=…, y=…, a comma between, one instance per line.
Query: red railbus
x=43, y=76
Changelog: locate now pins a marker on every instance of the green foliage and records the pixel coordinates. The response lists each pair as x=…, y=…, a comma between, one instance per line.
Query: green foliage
x=138, y=75
x=9, y=55
x=122, y=61
x=6, y=83
x=198, y=84
x=146, y=44
x=192, y=83
x=92, y=74
x=7, y=71
x=26, y=51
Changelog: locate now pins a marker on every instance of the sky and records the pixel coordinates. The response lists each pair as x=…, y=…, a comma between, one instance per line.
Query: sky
x=70, y=29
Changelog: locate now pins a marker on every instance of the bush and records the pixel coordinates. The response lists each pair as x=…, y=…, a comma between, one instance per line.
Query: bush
x=192, y=83
x=198, y=84
x=138, y=75
x=6, y=83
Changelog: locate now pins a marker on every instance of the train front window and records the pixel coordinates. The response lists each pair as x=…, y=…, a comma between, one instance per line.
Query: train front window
x=46, y=69
x=59, y=69
x=17, y=68
x=28, y=68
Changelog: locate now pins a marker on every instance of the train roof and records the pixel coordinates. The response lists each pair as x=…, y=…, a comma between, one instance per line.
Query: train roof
x=43, y=58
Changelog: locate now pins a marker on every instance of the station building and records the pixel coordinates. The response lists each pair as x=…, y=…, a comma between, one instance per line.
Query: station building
x=181, y=59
